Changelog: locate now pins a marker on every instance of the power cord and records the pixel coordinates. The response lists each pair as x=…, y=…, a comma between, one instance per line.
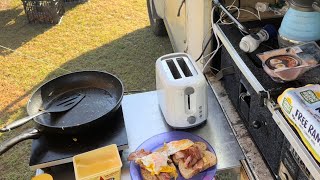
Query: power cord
x=180, y=7
x=212, y=35
x=205, y=47
x=213, y=53
x=217, y=39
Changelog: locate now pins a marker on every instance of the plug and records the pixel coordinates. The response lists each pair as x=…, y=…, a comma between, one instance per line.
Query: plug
x=262, y=6
x=251, y=42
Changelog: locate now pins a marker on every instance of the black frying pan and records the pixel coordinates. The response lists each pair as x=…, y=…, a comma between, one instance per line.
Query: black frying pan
x=103, y=95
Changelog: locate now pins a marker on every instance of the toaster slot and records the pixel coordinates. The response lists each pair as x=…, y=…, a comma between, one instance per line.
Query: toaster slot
x=189, y=102
x=173, y=69
x=184, y=67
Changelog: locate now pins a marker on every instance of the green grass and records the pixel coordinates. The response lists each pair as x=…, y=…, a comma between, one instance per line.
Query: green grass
x=108, y=35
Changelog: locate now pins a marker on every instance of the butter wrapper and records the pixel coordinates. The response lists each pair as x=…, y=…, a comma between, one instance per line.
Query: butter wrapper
x=301, y=106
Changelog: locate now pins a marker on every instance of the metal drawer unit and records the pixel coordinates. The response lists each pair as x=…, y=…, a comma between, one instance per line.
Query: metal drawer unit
x=262, y=92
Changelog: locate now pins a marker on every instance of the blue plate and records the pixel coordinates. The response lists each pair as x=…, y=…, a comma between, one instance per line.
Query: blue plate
x=155, y=142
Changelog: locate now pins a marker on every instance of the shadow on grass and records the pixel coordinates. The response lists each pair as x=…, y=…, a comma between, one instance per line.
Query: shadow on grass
x=131, y=57
x=71, y=4
x=15, y=29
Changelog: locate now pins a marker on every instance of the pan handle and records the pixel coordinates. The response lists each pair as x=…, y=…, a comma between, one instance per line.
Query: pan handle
x=27, y=134
x=20, y=122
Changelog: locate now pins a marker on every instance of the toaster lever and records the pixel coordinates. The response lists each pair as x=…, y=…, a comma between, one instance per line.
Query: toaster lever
x=189, y=90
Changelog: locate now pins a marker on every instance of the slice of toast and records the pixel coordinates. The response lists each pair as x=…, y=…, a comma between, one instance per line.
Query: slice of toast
x=201, y=145
x=209, y=160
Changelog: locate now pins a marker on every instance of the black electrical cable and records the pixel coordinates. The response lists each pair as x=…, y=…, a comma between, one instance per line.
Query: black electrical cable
x=180, y=7
x=212, y=35
x=205, y=47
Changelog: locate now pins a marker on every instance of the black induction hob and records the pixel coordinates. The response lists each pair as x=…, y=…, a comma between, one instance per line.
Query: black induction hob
x=51, y=150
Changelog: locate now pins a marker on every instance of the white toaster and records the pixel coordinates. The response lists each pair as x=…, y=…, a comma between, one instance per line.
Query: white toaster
x=181, y=90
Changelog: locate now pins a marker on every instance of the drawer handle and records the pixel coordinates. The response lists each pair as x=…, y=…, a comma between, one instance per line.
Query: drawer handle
x=244, y=95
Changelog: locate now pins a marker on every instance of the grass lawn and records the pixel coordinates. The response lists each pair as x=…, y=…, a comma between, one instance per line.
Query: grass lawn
x=108, y=35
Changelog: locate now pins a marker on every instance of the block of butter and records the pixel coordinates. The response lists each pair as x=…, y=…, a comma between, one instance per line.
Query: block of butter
x=301, y=106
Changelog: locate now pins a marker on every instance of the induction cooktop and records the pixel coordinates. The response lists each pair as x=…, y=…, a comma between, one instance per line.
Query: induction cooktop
x=51, y=150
